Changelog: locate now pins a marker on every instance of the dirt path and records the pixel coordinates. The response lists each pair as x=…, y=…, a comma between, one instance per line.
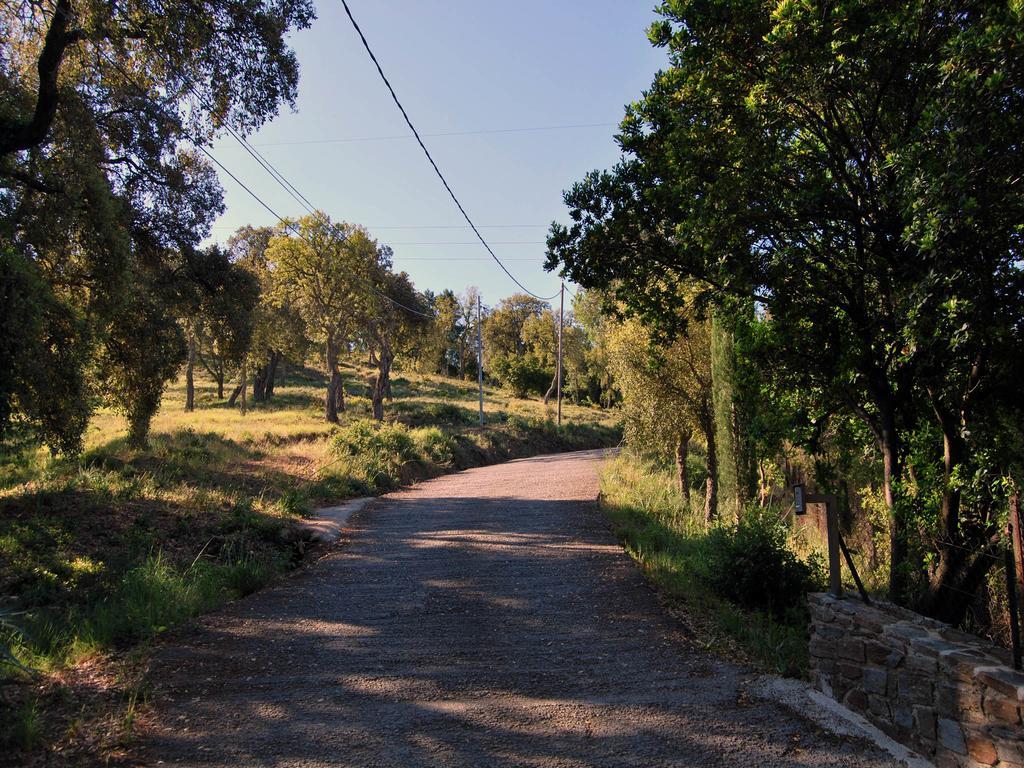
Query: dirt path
x=484, y=618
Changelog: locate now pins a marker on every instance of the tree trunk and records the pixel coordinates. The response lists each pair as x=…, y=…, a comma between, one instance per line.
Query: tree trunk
x=965, y=558
x=220, y=385
x=381, y=385
x=244, y=385
x=711, y=490
x=682, y=453
x=234, y=396
x=275, y=360
x=190, y=368
x=334, y=385
x=898, y=533
x=259, y=384
x=552, y=389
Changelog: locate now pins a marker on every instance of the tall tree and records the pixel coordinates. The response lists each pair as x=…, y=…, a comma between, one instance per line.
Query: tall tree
x=667, y=396
x=324, y=270
x=396, y=318
x=853, y=167
x=503, y=327
x=102, y=107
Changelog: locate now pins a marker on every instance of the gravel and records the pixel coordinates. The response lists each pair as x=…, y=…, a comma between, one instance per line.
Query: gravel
x=485, y=618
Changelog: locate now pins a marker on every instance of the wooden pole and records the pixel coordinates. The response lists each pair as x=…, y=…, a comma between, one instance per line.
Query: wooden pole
x=480, y=358
x=558, y=375
x=835, y=576
x=1015, y=574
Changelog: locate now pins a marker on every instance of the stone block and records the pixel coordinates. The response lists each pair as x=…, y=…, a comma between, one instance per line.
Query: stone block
x=980, y=747
x=875, y=681
x=830, y=632
x=924, y=719
x=822, y=613
x=929, y=645
x=951, y=736
x=903, y=717
x=914, y=689
x=821, y=648
x=922, y=664
x=1009, y=744
x=961, y=665
x=1001, y=709
x=856, y=699
x=904, y=631
x=879, y=653
x=850, y=671
x=879, y=707
x=850, y=649
x=1006, y=681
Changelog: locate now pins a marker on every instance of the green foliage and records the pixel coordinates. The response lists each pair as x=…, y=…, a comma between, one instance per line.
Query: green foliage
x=375, y=452
x=43, y=350
x=105, y=197
x=435, y=445
x=751, y=565
x=683, y=560
x=143, y=350
x=851, y=171
x=521, y=375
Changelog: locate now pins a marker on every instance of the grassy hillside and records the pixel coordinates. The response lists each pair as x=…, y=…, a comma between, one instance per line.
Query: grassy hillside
x=100, y=554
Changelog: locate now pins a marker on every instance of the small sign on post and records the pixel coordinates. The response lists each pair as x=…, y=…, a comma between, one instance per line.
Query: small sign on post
x=802, y=499
x=798, y=496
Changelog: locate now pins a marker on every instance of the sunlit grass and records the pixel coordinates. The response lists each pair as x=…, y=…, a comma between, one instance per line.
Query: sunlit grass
x=670, y=543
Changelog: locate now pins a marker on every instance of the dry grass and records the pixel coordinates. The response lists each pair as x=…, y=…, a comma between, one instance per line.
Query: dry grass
x=105, y=552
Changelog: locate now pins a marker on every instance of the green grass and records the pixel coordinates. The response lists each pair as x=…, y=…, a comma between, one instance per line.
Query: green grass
x=676, y=553
x=102, y=553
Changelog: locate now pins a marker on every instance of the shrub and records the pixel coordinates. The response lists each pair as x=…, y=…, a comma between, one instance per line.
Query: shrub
x=435, y=446
x=521, y=375
x=751, y=565
x=375, y=452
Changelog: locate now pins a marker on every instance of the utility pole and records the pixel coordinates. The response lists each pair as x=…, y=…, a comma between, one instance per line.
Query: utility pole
x=561, y=319
x=480, y=358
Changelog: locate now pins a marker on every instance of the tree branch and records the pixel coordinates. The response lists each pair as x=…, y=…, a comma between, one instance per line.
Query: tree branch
x=18, y=135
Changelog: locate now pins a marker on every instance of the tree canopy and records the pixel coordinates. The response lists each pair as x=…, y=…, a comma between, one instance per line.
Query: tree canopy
x=854, y=169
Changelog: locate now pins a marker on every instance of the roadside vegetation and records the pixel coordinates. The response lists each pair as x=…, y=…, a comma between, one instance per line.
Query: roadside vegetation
x=106, y=551
x=738, y=589
x=809, y=259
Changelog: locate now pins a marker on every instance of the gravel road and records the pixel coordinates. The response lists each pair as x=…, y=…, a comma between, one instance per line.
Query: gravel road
x=486, y=618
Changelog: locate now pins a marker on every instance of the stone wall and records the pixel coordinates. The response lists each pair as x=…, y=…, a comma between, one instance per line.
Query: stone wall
x=946, y=694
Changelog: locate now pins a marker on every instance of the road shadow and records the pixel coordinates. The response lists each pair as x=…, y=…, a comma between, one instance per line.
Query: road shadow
x=465, y=630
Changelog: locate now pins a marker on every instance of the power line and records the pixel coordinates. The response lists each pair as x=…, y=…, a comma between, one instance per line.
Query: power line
x=284, y=222
x=481, y=132
x=423, y=146
x=432, y=226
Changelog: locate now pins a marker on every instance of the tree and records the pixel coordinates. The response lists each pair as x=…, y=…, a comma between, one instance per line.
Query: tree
x=444, y=341
x=278, y=329
x=667, y=395
x=852, y=167
x=101, y=110
x=221, y=310
x=323, y=270
x=395, y=321
x=468, y=305
x=503, y=327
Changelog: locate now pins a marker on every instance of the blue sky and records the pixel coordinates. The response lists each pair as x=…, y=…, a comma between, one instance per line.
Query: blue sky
x=458, y=66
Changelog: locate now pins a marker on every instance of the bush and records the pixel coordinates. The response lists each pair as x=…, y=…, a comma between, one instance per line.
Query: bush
x=435, y=446
x=750, y=565
x=521, y=375
x=418, y=414
x=375, y=452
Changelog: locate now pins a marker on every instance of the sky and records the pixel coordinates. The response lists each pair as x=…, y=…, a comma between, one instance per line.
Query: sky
x=479, y=68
